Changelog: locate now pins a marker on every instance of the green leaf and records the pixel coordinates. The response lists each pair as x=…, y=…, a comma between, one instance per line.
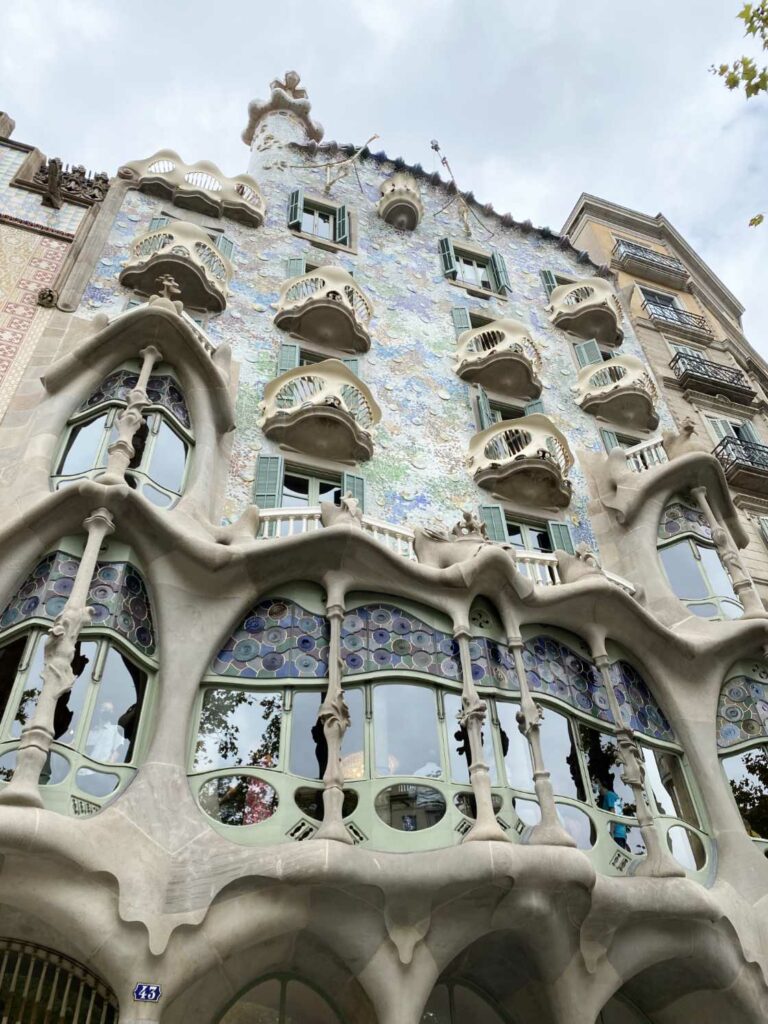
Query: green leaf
x=757, y=220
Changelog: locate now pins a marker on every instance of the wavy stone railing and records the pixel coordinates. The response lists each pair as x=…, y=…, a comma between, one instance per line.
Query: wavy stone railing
x=200, y=186
x=186, y=253
x=326, y=305
x=501, y=355
x=526, y=459
x=621, y=389
x=400, y=204
x=588, y=308
x=322, y=409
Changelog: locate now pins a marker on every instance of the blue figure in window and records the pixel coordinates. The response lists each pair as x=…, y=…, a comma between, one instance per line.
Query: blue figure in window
x=611, y=801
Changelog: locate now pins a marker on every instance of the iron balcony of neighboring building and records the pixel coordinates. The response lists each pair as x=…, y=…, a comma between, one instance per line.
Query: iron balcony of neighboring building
x=621, y=390
x=501, y=356
x=701, y=374
x=745, y=464
x=525, y=460
x=679, y=321
x=323, y=410
x=589, y=309
x=186, y=253
x=649, y=264
x=326, y=306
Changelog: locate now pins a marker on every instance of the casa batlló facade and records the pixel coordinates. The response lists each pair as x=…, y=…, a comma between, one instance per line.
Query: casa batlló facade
x=383, y=636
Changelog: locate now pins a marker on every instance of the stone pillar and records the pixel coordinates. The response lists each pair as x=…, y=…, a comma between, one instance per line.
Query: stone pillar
x=549, y=831
x=729, y=556
x=57, y=676
x=658, y=861
x=334, y=717
x=472, y=718
x=130, y=419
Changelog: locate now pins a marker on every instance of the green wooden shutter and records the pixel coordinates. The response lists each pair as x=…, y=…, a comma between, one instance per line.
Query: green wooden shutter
x=353, y=363
x=549, y=281
x=610, y=440
x=288, y=357
x=532, y=407
x=763, y=520
x=461, y=321
x=268, y=486
x=721, y=427
x=749, y=432
x=225, y=245
x=499, y=273
x=560, y=537
x=448, y=257
x=295, y=208
x=495, y=522
x=158, y=222
x=296, y=266
x=354, y=485
x=485, y=414
x=341, y=226
x=588, y=352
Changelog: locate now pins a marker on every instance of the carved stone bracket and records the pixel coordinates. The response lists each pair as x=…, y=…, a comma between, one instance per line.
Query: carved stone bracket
x=59, y=184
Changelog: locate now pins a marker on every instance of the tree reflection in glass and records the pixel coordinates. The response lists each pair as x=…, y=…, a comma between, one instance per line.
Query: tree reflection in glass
x=405, y=723
x=514, y=747
x=239, y=727
x=748, y=775
x=560, y=756
x=602, y=756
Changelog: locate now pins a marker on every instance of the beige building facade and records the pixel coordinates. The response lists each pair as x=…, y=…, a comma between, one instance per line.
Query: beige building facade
x=381, y=640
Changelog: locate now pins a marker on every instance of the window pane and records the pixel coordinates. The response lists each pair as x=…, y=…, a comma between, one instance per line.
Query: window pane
x=437, y=1010
x=82, y=451
x=748, y=776
x=239, y=727
x=309, y=751
x=458, y=742
x=26, y=706
x=138, y=442
x=116, y=713
x=515, y=535
x=665, y=778
x=604, y=768
x=470, y=1007
x=69, y=707
x=308, y=222
x=405, y=721
x=514, y=747
x=328, y=491
x=540, y=540
x=719, y=579
x=259, y=1006
x=560, y=756
x=304, y=1006
x=169, y=456
x=683, y=571
x=324, y=224
x=295, y=491
x=10, y=656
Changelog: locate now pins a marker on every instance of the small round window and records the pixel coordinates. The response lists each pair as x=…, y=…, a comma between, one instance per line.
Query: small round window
x=238, y=799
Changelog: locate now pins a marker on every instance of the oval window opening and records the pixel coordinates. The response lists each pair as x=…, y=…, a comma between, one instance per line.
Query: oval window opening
x=410, y=808
x=238, y=799
x=466, y=803
x=310, y=801
x=578, y=825
x=686, y=847
x=97, y=783
x=55, y=770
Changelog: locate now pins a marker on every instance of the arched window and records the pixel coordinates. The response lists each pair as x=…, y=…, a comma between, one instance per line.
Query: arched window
x=457, y=1003
x=742, y=737
x=97, y=723
x=281, y=1000
x=692, y=563
x=260, y=752
x=162, y=444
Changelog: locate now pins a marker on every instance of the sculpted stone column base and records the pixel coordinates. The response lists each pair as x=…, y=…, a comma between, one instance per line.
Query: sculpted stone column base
x=332, y=826
x=549, y=831
x=486, y=826
x=33, y=750
x=658, y=862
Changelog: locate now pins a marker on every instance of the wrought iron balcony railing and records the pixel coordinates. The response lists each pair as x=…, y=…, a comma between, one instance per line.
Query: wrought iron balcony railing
x=709, y=376
x=655, y=265
x=735, y=454
x=675, y=317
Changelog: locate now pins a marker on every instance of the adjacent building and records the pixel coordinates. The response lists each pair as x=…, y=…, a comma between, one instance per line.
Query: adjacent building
x=382, y=636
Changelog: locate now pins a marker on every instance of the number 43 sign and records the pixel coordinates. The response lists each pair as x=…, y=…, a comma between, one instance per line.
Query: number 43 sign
x=144, y=993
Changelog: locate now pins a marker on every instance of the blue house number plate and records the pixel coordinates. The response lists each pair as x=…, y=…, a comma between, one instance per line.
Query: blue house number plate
x=144, y=993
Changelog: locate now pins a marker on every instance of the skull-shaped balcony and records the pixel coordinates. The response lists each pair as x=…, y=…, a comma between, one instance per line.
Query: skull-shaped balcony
x=525, y=460
x=589, y=309
x=621, y=390
x=500, y=356
x=400, y=204
x=327, y=307
x=200, y=186
x=322, y=410
x=186, y=253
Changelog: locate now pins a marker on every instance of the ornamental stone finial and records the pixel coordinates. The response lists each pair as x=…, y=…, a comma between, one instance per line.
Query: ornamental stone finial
x=287, y=97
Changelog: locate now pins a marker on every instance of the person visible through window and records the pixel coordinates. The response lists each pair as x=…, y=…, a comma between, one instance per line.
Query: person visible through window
x=612, y=802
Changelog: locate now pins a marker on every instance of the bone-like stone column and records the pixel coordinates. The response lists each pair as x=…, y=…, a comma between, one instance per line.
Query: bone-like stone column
x=130, y=419
x=743, y=586
x=472, y=718
x=57, y=675
x=549, y=831
x=658, y=861
x=334, y=717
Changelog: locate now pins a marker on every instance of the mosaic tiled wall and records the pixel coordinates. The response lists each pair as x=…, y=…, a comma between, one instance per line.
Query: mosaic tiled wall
x=418, y=473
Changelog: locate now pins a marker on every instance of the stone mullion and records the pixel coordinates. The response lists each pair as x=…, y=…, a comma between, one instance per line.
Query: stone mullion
x=129, y=421
x=549, y=831
x=658, y=862
x=334, y=717
x=57, y=675
x=743, y=586
x=472, y=719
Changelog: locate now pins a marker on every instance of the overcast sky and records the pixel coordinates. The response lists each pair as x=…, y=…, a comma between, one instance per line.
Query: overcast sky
x=533, y=101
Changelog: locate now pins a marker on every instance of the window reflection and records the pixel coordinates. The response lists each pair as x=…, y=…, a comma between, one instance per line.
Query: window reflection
x=112, y=734
x=458, y=743
x=514, y=747
x=747, y=773
x=10, y=659
x=69, y=707
x=410, y=808
x=560, y=756
x=405, y=723
x=664, y=777
x=239, y=727
x=309, y=750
